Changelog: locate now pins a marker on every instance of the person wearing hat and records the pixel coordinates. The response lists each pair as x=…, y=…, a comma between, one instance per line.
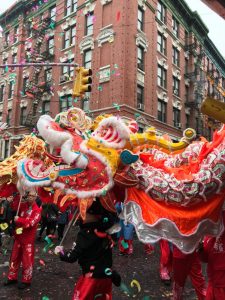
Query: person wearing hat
x=93, y=251
x=26, y=223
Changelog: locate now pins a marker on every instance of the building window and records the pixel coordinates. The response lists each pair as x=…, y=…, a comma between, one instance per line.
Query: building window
x=0, y=116
x=48, y=75
x=51, y=45
x=16, y=34
x=176, y=117
x=161, y=43
x=176, y=57
x=175, y=25
x=52, y=13
x=23, y=115
x=162, y=108
x=25, y=84
x=140, y=98
x=69, y=37
x=89, y=27
x=176, y=86
x=161, y=12
x=140, y=24
x=2, y=92
x=29, y=29
x=9, y=117
x=11, y=89
x=68, y=72
x=187, y=91
x=187, y=120
x=140, y=58
x=87, y=59
x=71, y=6
x=162, y=77
x=6, y=150
x=5, y=62
x=65, y=102
x=14, y=60
x=6, y=39
x=46, y=108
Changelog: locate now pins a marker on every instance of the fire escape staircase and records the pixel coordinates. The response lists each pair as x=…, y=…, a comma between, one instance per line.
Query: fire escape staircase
x=36, y=89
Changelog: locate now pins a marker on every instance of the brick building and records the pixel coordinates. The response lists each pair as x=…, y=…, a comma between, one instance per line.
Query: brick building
x=152, y=58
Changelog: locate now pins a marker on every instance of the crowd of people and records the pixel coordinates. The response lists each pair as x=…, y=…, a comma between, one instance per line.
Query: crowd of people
x=94, y=246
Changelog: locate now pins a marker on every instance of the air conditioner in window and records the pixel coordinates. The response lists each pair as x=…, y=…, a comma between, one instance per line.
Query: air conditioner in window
x=63, y=78
x=176, y=92
x=178, y=125
x=140, y=106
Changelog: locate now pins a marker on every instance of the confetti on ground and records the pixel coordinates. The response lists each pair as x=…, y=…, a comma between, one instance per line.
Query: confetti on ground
x=42, y=262
x=134, y=282
x=108, y=271
x=124, y=244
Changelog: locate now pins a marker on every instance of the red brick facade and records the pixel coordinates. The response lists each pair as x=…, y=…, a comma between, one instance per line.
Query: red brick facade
x=106, y=36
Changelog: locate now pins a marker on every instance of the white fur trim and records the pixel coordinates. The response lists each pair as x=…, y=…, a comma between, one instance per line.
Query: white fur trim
x=81, y=162
x=118, y=126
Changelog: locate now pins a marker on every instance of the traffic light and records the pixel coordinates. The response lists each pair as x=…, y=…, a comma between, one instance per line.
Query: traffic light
x=82, y=81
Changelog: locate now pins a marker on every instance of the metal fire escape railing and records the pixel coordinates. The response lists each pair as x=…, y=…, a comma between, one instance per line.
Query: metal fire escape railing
x=35, y=89
x=197, y=78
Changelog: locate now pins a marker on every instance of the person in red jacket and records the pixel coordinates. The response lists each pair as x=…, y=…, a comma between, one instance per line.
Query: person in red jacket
x=23, y=248
x=212, y=251
x=185, y=265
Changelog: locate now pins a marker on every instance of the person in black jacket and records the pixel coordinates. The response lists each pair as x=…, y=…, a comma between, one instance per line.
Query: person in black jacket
x=49, y=217
x=93, y=251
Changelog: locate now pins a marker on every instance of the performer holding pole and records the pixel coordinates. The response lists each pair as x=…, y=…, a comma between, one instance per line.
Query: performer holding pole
x=26, y=221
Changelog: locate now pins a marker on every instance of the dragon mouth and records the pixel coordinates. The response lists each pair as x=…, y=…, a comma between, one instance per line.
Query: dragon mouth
x=35, y=171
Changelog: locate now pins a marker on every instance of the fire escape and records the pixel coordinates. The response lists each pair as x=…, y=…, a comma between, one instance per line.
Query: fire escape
x=196, y=76
x=38, y=85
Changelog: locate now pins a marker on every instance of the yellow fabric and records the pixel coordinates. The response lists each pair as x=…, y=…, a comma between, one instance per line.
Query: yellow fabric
x=110, y=154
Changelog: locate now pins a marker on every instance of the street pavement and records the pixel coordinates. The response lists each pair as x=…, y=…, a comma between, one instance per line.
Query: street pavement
x=54, y=280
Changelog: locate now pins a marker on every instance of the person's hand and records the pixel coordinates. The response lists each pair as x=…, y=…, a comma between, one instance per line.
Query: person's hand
x=59, y=250
x=16, y=218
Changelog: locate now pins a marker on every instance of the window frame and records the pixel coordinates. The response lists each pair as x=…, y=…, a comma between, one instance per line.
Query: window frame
x=161, y=12
x=16, y=33
x=11, y=89
x=44, y=111
x=162, y=78
x=71, y=8
x=89, y=26
x=176, y=116
x=68, y=102
x=140, y=60
x=25, y=84
x=161, y=45
x=9, y=117
x=176, y=86
x=68, y=71
x=52, y=13
x=176, y=56
x=69, y=37
x=6, y=149
x=23, y=114
x=2, y=93
x=162, y=112
x=175, y=27
x=87, y=63
x=140, y=21
x=141, y=98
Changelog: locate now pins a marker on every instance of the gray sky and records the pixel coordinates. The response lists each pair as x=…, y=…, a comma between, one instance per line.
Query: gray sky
x=215, y=23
